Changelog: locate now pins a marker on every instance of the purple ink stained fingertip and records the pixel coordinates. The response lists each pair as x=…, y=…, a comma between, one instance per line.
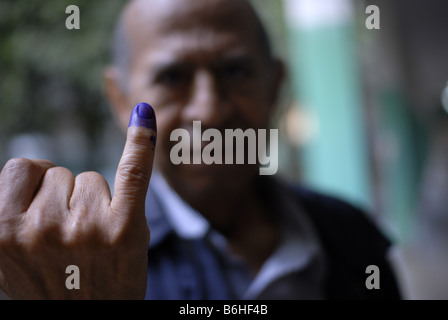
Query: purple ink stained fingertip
x=143, y=115
x=145, y=111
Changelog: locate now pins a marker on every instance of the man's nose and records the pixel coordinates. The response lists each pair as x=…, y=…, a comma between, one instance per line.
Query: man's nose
x=207, y=103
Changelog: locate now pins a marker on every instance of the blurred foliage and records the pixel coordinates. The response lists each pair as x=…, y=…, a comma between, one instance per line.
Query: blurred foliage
x=46, y=70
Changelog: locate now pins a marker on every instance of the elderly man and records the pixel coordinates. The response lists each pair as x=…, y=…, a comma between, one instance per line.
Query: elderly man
x=218, y=231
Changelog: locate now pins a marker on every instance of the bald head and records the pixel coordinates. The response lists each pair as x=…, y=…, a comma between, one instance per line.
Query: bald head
x=142, y=20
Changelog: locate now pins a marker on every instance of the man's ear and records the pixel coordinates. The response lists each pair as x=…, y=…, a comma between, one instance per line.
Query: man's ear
x=277, y=77
x=118, y=99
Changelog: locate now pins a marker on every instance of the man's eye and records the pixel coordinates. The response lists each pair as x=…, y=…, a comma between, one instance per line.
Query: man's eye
x=236, y=72
x=172, y=78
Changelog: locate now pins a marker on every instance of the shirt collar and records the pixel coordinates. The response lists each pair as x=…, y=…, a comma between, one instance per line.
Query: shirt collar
x=186, y=221
x=299, y=248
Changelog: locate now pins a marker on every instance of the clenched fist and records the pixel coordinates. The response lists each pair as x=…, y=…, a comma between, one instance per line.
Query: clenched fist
x=50, y=219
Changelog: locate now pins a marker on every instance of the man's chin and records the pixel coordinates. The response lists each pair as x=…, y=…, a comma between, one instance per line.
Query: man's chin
x=210, y=180
x=220, y=171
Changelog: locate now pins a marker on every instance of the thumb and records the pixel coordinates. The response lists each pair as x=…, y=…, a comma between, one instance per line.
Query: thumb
x=135, y=166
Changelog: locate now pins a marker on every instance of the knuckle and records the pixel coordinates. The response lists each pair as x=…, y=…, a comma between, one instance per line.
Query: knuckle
x=6, y=209
x=30, y=236
x=55, y=172
x=132, y=172
x=90, y=191
x=6, y=237
x=86, y=231
x=20, y=165
x=90, y=177
x=9, y=226
x=41, y=223
x=82, y=234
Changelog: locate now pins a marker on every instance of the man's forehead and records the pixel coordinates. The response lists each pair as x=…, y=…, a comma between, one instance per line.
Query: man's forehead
x=175, y=11
x=149, y=20
x=194, y=50
x=200, y=41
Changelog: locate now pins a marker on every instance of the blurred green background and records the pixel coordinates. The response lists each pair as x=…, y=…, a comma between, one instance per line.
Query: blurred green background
x=51, y=79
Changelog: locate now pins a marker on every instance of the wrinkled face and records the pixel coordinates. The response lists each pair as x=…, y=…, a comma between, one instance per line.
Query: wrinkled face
x=201, y=62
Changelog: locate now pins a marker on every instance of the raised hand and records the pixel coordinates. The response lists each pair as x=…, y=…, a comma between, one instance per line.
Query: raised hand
x=50, y=219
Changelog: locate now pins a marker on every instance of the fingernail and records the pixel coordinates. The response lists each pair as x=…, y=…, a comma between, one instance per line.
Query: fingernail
x=143, y=115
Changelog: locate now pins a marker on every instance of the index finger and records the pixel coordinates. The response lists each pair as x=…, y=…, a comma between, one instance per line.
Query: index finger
x=135, y=167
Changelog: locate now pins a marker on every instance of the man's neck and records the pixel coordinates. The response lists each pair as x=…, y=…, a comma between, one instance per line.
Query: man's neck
x=243, y=217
